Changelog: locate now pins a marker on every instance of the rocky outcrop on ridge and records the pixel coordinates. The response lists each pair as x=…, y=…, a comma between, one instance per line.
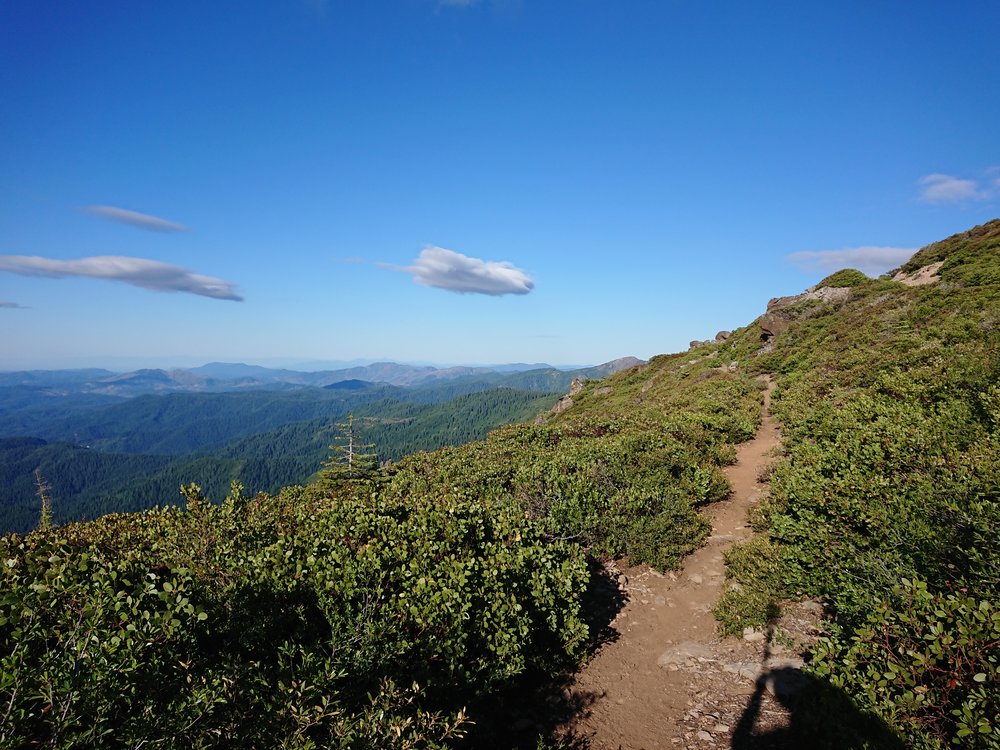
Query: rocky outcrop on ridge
x=782, y=311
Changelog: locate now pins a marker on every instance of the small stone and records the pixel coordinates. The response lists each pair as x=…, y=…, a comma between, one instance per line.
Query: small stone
x=720, y=729
x=753, y=636
x=623, y=580
x=695, y=579
x=704, y=736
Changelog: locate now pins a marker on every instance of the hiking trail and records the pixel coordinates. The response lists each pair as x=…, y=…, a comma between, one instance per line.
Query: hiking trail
x=668, y=680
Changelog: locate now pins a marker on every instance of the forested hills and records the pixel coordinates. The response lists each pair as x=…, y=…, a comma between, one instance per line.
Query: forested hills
x=101, y=453
x=87, y=481
x=401, y=605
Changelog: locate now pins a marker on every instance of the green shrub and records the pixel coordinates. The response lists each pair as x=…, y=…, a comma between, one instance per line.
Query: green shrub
x=308, y=620
x=848, y=277
x=927, y=663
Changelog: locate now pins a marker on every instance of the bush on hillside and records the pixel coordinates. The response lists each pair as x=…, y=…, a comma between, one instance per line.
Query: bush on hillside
x=847, y=277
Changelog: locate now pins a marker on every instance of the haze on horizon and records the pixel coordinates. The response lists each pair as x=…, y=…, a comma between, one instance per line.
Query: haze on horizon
x=482, y=181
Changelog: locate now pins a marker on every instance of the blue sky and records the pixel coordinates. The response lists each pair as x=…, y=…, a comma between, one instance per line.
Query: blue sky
x=468, y=182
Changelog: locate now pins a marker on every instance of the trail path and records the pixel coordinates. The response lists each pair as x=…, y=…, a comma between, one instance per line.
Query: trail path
x=669, y=680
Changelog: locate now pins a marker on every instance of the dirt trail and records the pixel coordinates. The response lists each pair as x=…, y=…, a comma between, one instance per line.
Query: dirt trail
x=669, y=680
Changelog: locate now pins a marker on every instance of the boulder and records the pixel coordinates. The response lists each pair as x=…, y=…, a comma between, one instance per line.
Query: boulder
x=781, y=311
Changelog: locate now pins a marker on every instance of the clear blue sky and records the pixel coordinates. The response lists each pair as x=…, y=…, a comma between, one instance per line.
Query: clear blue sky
x=476, y=181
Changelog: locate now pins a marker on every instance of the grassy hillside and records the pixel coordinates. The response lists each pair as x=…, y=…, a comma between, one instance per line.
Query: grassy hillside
x=886, y=502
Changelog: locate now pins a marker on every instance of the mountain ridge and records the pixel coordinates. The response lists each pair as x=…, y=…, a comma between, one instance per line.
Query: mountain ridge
x=470, y=572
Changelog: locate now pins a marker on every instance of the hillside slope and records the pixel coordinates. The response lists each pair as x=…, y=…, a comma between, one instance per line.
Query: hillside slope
x=886, y=502
x=388, y=607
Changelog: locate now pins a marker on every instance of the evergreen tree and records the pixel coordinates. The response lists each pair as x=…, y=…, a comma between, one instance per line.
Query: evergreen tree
x=350, y=457
x=43, y=490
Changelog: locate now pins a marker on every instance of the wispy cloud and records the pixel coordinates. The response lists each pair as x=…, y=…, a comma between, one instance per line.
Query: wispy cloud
x=872, y=260
x=11, y=306
x=141, y=272
x=946, y=188
x=446, y=269
x=134, y=218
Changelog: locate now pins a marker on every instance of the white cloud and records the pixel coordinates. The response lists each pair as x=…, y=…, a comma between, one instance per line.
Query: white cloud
x=134, y=218
x=945, y=188
x=11, y=306
x=141, y=272
x=446, y=269
x=872, y=260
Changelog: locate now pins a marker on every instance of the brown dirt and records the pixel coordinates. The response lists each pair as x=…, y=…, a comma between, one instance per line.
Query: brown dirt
x=925, y=275
x=666, y=679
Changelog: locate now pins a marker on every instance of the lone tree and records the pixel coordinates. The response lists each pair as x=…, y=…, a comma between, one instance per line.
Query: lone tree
x=350, y=458
x=43, y=490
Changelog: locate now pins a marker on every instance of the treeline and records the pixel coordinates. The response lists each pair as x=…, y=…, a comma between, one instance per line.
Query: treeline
x=87, y=483
x=177, y=424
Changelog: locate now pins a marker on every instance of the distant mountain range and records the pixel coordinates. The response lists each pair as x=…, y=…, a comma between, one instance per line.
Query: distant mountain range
x=217, y=377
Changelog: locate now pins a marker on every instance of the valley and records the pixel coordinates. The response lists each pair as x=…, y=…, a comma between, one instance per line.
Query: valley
x=124, y=442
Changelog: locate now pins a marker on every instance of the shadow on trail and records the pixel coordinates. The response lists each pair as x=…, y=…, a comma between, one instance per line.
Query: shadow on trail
x=820, y=716
x=536, y=707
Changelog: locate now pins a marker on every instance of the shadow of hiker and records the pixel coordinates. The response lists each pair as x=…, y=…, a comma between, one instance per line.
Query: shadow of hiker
x=820, y=715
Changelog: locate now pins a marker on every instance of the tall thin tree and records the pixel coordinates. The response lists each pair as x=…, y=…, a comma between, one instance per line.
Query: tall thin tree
x=351, y=458
x=44, y=491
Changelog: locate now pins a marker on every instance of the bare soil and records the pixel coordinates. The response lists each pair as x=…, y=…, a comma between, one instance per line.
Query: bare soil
x=664, y=678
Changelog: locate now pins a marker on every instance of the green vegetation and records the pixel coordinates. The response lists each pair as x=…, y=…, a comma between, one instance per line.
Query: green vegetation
x=375, y=610
x=886, y=504
x=87, y=483
x=296, y=621
x=848, y=277
x=384, y=607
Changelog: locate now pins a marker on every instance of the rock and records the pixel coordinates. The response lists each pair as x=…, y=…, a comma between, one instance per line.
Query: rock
x=720, y=729
x=623, y=580
x=744, y=669
x=723, y=335
x=704, y=736
x=562, y=405
x=774, y=324
x=684, y=652
x=695, y=579
x=753, y=636
x=602, y=391
x=781, y=311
